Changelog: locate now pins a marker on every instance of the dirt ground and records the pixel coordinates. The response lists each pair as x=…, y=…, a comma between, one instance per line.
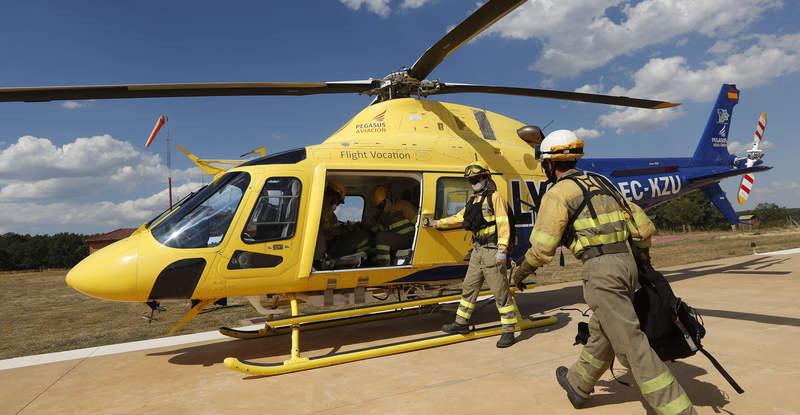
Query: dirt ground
x=42, y=314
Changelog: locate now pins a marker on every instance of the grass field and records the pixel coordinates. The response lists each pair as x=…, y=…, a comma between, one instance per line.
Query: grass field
x=42, y=314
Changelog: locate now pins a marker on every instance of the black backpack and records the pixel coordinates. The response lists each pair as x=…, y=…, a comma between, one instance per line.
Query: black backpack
x=673, y=329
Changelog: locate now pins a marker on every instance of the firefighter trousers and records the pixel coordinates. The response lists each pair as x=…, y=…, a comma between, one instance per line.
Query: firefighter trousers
x=609, y=282
x=386, y=242
x=482, y=267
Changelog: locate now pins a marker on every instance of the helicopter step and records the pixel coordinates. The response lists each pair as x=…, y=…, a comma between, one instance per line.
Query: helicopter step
x=298, y=363
x=347, y=316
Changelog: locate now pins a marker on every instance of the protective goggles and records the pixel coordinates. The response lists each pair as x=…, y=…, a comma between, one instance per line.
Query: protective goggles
x=474, y=170
x=540, y=153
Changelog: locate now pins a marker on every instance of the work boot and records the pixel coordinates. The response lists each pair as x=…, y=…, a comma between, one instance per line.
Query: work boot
x=506, y=339
x=455, y=328
x=575, y=399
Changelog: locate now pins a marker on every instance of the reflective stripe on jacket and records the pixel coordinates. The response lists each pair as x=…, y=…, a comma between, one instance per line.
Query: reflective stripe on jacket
x=612, y=224
x=401, y=213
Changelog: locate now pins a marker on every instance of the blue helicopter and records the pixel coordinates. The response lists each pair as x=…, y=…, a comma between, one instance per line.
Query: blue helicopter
x=652, y=181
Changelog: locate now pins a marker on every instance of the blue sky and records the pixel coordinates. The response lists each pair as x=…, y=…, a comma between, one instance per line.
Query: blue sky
x=82, y=166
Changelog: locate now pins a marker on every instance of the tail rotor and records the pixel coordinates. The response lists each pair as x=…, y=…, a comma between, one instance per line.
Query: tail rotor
x=754, y=154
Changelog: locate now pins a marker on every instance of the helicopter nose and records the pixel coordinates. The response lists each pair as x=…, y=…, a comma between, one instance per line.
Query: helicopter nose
x=109, y=273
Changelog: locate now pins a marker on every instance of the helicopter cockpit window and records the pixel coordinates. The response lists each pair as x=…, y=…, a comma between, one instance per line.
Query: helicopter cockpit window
x=203, y=220
x=274, y=216
x=451, y=196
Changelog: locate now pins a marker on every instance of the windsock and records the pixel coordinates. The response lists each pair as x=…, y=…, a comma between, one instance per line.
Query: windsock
x=753, y=155
x=158, y=126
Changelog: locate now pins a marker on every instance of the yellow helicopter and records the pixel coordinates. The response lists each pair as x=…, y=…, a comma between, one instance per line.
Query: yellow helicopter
x=253, y=230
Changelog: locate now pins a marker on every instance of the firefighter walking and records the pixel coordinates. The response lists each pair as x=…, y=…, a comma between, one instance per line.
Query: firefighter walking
x=486, y=215
x=587, y=214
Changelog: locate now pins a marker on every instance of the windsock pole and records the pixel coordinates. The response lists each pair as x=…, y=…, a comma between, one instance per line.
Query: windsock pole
x=169, y=164
x=161, y=121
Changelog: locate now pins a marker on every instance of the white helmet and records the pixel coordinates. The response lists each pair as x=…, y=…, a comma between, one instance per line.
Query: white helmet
x=560, y=145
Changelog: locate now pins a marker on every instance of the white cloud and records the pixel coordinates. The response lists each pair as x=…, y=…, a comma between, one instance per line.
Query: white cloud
x=736, y=147
x=413, y=4
x=379, y=7
x=640, y=120
x=673, y=79
x=578, y=35
x=71, y=105
x=722, y=46
x=92, y=216
x=35, y=169
x=583, y=133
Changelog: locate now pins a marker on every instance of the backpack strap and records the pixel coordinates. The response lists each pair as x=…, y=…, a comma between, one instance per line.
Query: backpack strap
x=722, y=371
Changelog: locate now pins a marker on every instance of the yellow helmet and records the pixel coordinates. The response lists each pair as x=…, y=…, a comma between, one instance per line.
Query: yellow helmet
x=476, y=168
x=338, y=188
x=378, y=195
x=560, y=145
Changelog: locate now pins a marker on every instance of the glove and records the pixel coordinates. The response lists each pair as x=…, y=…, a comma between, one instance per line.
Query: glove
x=500, y=257
x=520, y=273
x=642, y=257
x=428, y=222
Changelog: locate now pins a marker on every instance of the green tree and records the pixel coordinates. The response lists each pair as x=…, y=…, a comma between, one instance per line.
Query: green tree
x=770, y=214
x=693, y=210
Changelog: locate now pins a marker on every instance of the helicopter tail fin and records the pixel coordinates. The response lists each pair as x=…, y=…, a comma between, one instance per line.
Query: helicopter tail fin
x=713, y=145
x=717, y=197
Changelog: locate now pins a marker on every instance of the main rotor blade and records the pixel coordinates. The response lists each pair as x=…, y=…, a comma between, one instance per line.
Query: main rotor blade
x=548, y=93
x=487, y=14
x=35, y=94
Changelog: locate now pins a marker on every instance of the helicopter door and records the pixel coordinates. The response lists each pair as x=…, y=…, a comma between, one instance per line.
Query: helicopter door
x=444, y=195
x=267, y=243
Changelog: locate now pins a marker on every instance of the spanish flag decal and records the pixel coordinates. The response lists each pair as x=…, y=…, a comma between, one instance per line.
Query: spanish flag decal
x=733, y=96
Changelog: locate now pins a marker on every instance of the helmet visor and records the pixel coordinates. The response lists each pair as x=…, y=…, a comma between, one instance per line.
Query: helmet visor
x=474, y=170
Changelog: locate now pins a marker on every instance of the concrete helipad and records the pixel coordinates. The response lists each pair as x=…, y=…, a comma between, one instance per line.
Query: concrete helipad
x=749, y=304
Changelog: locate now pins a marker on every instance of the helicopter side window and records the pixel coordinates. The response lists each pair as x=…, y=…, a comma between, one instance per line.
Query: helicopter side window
x=451, y=196
x=274, y=216
x=203, y=220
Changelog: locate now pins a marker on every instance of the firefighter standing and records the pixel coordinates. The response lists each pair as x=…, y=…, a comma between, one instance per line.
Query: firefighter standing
x=491, y=231
x=394, y=227
x=594, y=222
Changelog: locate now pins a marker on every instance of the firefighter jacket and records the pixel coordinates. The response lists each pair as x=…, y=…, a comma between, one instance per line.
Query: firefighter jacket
x=400, y=219
x=612, y=225
x=498, y=218
x=329, y=223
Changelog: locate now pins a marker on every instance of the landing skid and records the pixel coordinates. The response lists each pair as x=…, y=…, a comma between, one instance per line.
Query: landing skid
x=346, y=316
x=270, y=369
x=274, y=327
x=329, y=319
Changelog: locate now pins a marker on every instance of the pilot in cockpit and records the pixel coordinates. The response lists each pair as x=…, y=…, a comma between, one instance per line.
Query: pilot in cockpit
x=336, y=239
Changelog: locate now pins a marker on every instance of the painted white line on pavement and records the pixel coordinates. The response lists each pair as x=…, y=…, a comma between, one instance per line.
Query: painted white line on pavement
x=784, y=252
x=40, y=359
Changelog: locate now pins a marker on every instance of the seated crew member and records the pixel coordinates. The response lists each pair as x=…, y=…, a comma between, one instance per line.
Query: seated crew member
x=336, y=239
x=394, y=227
